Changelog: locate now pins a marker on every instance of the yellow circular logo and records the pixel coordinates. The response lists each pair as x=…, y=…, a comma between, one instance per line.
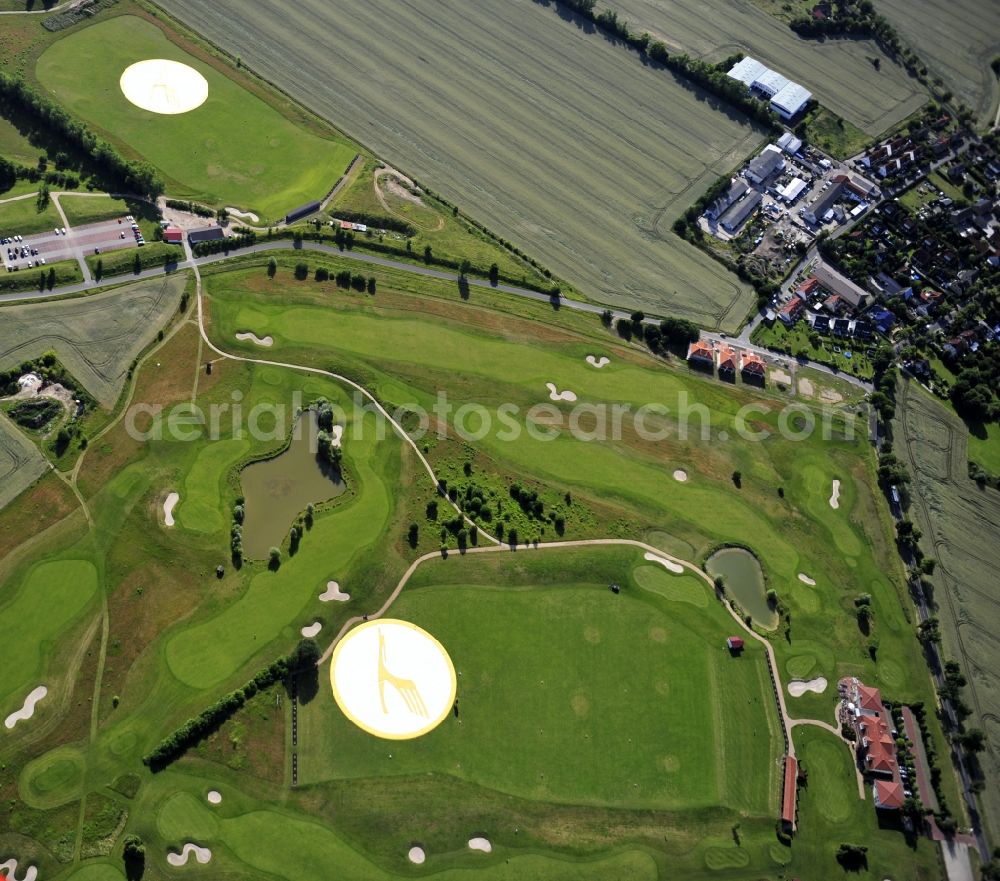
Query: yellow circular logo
x=393, y=679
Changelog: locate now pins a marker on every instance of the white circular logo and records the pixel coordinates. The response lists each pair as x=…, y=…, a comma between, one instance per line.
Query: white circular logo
x=393, y=679
x=163, y=86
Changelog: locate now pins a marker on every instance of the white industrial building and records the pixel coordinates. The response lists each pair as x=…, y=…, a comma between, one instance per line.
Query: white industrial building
x=787, y=98
x=793, y=189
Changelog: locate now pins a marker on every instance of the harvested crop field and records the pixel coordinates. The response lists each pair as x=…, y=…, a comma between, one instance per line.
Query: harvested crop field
x=960, y=523
x=838, y=72
x=96, y=337
x=20, y=462
x=958, y=41
x=551, y=136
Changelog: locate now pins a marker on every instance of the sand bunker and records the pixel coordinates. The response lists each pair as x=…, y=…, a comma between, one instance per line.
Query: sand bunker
x=28, y=710
x=798, y=687
x=336, y=433
x=267, y=341
x=163, y=86
x=333, y=593
x=168, y=508
x=680, y=475
x=201, y=854
x=310, y=630
x=416, y=855
x=670, y=565
x=598, y=362
x=482, y=844
x=835, y=495
x=806, y=388
x=246, y=215
x=556, y=395
x=805, y=579
x=9, y=870
x=214, y=797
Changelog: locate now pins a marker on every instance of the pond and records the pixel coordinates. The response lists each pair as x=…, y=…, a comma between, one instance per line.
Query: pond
x=744, y=583
x=277, y=490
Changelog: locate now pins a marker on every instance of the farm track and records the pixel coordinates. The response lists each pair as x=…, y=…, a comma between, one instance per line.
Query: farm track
x=560, y=142
x=949, y=516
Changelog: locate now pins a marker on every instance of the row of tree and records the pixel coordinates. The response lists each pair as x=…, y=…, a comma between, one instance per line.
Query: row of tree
x=712, y=78
x=50, y=124
x=305, y=655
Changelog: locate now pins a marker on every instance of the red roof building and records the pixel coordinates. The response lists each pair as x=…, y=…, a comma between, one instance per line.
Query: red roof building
x=727, y=360
x=734, y=643
x=752, y=364
x=174, y=235
x=808, y=286
x=888, y=794
x=700, y=351
x=790, y=312
x=790, y=791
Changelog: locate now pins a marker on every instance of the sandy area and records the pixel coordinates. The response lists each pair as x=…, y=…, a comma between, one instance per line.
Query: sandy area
x=336, y=434
x=201, y=854
x=267, y=341
x=556, y=395
x=805, y=579
x=28, y=710
x=169, y=503
x=310, y=630
x=163, y=86
x=829, y=396
x=244, y=215
x=680, y=475
x=214, y=797
x=798, y=687
x=333, y=593
x=781, y=376
x=598, y=362
x=806, y=388
x=482, y=844
x=670, y=565
x=416, y=855
x=835, y=495
x=9, y=870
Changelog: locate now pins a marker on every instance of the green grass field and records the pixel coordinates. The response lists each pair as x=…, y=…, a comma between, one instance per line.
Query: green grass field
x=22, y=217
x=838, y=72
x=235, y=149
x=599, y=735
x=796, y=341
x=67, y=272
x=83, y=208
x=96, y=337
x=20, y=462
x=835, y=135
x=958, y=41
x=551, y=660
x=555, y=139
x=15, y=146
x=957, y=519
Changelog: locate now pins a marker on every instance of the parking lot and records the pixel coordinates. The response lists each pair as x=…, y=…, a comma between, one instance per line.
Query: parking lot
x=27, y=252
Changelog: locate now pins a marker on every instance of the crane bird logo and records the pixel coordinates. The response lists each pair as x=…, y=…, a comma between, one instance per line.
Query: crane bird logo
x=406, y=688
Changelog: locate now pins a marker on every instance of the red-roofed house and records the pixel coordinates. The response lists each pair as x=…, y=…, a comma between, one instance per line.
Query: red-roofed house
x=700, y=354
x=808, y=286
x=752, y=368
x=789, y=792
x=173, y=235
x=868, y=699
x=734, y=643
x=888, y=794
x=790, y=312
x=727, y=363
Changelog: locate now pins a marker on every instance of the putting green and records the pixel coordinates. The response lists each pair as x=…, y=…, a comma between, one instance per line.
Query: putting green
x=234, y=149
x=680, y=588
x=182, y=817
x=49, y=599
x=54, y=778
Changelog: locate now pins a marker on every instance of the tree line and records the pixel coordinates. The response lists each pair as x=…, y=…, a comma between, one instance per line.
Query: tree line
x=305, y=655
x=713, y=78
x=379, y=221
x=49, y=123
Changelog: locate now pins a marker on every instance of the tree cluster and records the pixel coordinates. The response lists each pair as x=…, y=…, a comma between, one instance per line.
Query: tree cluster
x=378, y=221
x=48, y=123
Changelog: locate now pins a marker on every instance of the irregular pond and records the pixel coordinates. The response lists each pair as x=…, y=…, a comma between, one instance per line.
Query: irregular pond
x=277, y=490
x=744, y=583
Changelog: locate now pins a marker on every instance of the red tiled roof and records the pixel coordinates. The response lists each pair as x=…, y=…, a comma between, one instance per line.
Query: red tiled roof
x=727, y=359
x=701, y=351
x=889, y=794
x=809, y=285
x=170, y=234
x=792, y=307
x=788, y=798
x=869, y=698
x=753, y=364
x=734, y=642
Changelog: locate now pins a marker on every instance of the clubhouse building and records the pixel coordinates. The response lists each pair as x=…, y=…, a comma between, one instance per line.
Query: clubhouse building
x=862, y=708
